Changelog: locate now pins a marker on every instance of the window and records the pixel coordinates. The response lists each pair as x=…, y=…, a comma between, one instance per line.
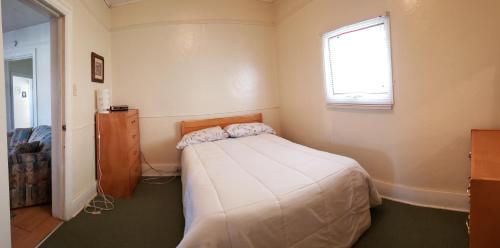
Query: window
x=357, y=61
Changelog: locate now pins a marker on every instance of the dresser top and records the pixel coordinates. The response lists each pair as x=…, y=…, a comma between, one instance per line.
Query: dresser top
x=120, y=113
x=485, y=161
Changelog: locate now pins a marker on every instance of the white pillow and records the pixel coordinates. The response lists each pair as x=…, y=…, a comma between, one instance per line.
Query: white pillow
x=201, y=136
x=248, y=129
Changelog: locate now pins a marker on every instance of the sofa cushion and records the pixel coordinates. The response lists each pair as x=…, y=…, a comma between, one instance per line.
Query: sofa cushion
x=29, y=179
x=30, y=147
x=20, y=135
x=42, y=134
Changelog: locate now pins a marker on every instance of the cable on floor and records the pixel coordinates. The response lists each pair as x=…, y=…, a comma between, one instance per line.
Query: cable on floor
x=157, y=179
x=101, y=202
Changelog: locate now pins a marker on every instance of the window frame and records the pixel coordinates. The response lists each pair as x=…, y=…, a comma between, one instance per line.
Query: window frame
x=364, y=101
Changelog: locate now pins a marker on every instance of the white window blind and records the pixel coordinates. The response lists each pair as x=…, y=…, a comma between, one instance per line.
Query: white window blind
x=357, y=61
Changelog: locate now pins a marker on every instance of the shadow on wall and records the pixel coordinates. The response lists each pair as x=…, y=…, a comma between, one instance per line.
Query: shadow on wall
x=376, y=162
x=435, y=159
x=159, y=136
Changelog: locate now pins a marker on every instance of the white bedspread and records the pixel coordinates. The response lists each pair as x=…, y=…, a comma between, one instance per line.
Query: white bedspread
x=265, y=191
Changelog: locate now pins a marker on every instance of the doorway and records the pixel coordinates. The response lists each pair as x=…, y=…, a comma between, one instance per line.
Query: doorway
x=21, y=95
x=22, y=102
x=34, y=61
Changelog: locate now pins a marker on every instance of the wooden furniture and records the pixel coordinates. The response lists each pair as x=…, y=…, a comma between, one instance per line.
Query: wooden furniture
x=118, y=152
x=484, y=189
x=190, y=126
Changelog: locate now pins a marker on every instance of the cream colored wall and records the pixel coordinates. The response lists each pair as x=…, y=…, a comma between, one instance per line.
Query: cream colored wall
x=99, y=10
x=90, y=23
x=200, y=11
x=446, y=68
x=178, y=60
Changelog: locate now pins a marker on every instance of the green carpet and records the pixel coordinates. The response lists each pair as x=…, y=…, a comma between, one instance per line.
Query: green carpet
x=153, y=218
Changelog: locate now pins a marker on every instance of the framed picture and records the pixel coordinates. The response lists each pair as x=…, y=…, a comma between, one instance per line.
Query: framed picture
x=97, y=71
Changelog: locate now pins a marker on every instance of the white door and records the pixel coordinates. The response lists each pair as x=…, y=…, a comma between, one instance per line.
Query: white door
x=22, y=101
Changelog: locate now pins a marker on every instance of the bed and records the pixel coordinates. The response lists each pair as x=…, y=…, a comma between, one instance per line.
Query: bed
x=266, y=191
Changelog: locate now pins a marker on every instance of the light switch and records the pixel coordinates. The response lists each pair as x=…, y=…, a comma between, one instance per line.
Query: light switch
x=75, y=90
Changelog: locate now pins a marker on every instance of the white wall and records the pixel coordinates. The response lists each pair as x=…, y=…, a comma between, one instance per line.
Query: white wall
x=446, y=71
x=176, y=60
x=4, y=170
x=90, y=33
x=28, y=39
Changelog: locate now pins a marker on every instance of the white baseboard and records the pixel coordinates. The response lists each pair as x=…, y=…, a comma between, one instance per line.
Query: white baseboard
x=423, y=197
x=164, y=169
x=89, y=193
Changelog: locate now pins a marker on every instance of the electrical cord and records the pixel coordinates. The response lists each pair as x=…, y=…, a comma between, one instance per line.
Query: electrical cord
x=159, y=180
x=107, y=3
x=101, y=202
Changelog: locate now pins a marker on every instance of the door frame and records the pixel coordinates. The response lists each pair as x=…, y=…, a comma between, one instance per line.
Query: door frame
x=14, y=55
x=62, y=172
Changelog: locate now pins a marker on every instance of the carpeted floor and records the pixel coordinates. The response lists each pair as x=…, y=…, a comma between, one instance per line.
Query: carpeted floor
x=153, y=218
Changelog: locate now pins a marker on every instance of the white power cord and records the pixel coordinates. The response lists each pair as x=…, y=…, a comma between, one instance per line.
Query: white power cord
x=101, y=202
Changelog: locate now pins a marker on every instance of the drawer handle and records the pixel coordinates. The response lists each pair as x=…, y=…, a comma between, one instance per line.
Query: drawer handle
x=468, y=226
x=133, y=136
x=133, y=122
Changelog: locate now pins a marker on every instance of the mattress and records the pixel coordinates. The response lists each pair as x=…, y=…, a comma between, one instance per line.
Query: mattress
x=266, y=191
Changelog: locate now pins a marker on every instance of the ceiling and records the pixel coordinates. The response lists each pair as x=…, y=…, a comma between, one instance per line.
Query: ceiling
x=113, y=3
x=17, y=14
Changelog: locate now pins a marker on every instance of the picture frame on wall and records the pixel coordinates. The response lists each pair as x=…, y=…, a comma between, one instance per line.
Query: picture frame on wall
x=97, y=65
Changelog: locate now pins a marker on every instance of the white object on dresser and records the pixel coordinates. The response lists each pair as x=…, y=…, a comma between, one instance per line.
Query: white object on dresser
x=103, y=101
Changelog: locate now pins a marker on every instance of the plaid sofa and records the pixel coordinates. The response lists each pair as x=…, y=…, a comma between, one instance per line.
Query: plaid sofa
x=29, y=173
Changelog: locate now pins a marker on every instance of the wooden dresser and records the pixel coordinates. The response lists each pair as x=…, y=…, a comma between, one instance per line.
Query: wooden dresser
x=118, y=152
x=484, y=189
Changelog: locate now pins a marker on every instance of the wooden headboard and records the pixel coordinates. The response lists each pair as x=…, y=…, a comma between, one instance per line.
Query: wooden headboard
x=195, y=125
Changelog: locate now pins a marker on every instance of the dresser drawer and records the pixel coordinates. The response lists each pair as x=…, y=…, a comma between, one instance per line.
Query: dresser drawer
x=118, y=152
x=133, y=155
x=133, y=122
x=484, y=189
x=132, y=138
x=132, y=132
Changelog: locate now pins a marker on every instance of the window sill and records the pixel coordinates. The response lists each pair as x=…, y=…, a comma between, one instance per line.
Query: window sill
x=359, y=106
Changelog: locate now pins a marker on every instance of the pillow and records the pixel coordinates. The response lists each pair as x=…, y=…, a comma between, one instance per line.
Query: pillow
x=20, y=135
x=201, y=136
x=30, y=147
x=248, y=129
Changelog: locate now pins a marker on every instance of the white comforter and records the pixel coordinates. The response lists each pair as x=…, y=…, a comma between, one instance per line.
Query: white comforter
x=265, y=191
